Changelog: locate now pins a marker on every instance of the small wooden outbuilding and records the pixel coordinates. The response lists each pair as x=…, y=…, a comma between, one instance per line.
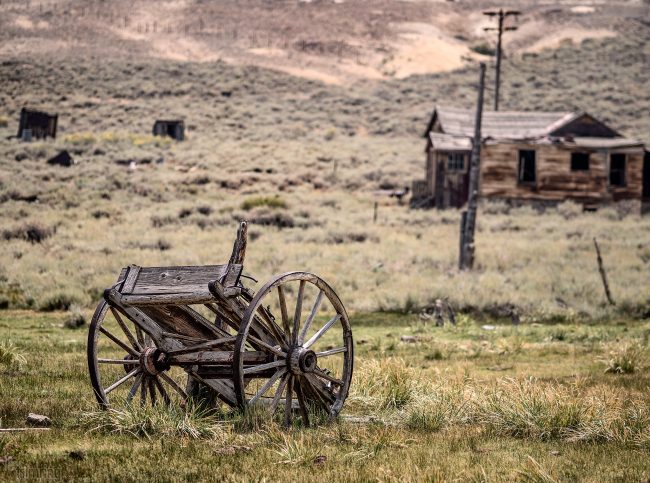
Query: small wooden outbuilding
x=543, y=157
x=40, y=124
x=175, y=129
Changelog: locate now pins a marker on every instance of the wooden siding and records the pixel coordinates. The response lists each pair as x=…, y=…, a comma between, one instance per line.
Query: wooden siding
x=554, y=180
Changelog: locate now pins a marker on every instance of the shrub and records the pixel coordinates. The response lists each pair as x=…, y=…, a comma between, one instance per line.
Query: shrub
x=483, y=49
x=31, y=232
x=267, y=201
x=59, y=301
x=569, y=209
x=75, y=319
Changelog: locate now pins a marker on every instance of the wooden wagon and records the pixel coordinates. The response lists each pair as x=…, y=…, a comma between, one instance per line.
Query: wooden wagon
x=170, y=334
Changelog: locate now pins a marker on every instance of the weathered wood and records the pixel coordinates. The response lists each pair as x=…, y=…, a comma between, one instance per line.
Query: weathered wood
x=177, y=280
x=467, y=252
x=239, y=247
x=219, y=357
x=603, y=274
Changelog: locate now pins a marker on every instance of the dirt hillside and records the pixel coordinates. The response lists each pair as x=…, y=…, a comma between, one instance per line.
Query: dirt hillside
x=334, y=41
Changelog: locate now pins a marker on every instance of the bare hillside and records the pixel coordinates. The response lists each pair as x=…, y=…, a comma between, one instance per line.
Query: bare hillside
x=335, y=41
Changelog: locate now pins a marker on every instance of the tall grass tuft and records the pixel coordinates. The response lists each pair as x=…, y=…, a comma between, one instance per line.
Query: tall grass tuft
x=157, y=421
x=626, y=359
x=384, y=384
x=530, y=409
x=296, y=450
x=10, y=357
x=438, y=407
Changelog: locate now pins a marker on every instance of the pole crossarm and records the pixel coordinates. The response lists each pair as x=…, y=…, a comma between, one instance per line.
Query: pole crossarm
x=501, y=15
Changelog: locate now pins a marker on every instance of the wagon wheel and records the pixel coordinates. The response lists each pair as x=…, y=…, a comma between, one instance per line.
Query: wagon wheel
x=309, y=352
x=123, y=364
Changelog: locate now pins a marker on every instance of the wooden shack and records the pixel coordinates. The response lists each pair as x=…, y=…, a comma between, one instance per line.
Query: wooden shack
x=174, y=129
x=40, y=124
x=543, y=157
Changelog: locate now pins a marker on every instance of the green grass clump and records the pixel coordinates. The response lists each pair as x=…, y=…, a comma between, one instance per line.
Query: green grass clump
x=263, y=201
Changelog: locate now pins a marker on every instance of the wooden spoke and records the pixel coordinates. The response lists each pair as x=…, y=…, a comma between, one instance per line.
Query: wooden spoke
x=152, y=392
x=322, y=331
x=288, y=403
x=278, y=374
x=270, y=323
x=316, y=385
x=297, y=315
x=325, y=375
x=122, y=380
x=162, y=391
x=117, y=361
x=283, y=311
x=270, y=348
x=139, y=334
x=302, y=402
x=134, y=388
x=292, y=379
x=147, y=341
x=331, y=352
x=263, y=367
x=278, y=393
x=200, y=347
x=119, y=342
x=136, y=345
x=143, y=393
x=310, y=318
x=173, y=384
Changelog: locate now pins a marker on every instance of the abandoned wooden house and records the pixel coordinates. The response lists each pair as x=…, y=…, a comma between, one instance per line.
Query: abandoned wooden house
x=535, y=157
x=36, y=124
x=174, y=129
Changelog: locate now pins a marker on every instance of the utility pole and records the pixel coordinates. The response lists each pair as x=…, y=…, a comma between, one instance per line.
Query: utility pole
x=501, y=15
x=468, y=220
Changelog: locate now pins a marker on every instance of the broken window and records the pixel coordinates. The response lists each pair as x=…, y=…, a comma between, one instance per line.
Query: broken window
x=579, y=161
x=455, y=162
x=617, y=169
x=527, y=168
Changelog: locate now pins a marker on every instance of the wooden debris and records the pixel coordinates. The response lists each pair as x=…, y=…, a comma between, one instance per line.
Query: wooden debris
x=603, y=274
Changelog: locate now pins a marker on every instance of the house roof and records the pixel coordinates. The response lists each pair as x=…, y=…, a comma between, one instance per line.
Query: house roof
x=501, y=124
x=514, y=125
x=447, y=142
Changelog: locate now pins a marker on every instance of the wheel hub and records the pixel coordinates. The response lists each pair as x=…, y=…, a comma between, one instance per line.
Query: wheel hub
x=302, y=360
x=152, y=360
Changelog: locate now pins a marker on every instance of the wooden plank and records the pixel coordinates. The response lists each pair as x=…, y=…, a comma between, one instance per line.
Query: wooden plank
x=176, y=280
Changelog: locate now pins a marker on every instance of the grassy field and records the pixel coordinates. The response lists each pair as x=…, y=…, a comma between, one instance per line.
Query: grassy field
x=562, y=397
x=464, y=402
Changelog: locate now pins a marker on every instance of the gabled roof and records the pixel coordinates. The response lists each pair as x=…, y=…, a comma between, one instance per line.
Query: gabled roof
x=512, y=124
